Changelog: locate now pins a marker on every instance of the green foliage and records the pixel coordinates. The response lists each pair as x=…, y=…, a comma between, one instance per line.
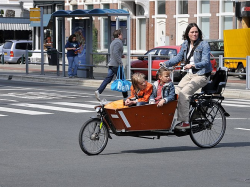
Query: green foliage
x=96, y=58
x=1, y=11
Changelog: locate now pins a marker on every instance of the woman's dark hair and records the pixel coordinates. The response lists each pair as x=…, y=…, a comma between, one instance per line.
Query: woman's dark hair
x=190, y=25
x=71, y=37
x=117, y=33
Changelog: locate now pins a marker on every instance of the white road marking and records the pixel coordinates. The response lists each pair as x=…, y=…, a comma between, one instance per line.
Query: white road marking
x=225, y=104
x=8, y=100
x=98, y=102
x=20, y=111
x=242, y=129
x=238, y=102
x=2, y=115
x=237, y=118
x=17, y=88
x=74, y=104
x=52, y=108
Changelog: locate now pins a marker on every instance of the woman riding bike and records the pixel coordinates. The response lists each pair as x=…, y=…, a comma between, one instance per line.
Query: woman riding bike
x=196, y=55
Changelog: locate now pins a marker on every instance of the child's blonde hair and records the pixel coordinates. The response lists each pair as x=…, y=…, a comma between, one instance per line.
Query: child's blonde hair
x=161, y=70
x=135, y=79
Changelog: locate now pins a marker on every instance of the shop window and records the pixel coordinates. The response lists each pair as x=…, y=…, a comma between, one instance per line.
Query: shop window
x=183, y=7
x=161, y=7
x=205, y=6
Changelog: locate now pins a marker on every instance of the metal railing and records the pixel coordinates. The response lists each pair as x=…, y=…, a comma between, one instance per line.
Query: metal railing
x=221, y=64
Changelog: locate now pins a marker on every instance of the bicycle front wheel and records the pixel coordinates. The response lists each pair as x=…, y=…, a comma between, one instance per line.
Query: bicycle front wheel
x=208, y=131
x=93, y=137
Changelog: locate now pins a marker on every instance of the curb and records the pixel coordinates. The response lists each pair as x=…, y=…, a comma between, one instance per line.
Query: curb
x=53, y=80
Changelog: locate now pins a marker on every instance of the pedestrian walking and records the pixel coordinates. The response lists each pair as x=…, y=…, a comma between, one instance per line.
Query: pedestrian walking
x=72, y=47
x=116, y=54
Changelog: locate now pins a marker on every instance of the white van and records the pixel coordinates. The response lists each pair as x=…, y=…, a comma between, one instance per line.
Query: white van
x=14, y=49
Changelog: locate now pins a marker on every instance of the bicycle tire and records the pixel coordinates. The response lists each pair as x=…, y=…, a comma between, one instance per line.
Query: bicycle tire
x=206, y=134
x=91, y=141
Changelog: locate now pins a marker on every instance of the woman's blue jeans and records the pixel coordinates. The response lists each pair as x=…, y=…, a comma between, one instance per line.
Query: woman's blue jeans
x=73, y=64
x=112, y=70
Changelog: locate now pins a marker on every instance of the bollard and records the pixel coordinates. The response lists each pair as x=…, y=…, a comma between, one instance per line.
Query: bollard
x=149, y=67
x=221, y=61
x=27, y=61
x=172, y=73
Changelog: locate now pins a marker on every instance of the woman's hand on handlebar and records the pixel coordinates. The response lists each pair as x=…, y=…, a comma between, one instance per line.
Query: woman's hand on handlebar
x=162, y=64
x=188, y=66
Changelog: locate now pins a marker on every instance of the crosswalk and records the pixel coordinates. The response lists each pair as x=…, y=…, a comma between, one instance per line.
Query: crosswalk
x=242, y=103
x=48, y=108
x=20, y=100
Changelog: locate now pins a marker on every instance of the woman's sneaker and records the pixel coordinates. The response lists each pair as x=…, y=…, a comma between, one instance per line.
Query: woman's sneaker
x=182, y=125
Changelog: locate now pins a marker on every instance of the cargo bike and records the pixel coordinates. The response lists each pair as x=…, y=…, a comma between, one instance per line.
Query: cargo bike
x=207, y=119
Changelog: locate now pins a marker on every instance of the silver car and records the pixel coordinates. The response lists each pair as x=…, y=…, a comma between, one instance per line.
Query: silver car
x=13, y=50
x=217, y=48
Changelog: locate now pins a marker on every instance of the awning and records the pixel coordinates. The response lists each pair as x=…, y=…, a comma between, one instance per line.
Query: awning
x=46, y=18
x=15, y=24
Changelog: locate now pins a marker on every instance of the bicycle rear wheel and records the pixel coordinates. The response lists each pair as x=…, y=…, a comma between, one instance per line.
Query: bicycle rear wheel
x=208, y=131
x=92, y=138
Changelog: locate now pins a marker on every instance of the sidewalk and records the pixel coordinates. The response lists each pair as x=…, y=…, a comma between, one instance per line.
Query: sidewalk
x=235, y=88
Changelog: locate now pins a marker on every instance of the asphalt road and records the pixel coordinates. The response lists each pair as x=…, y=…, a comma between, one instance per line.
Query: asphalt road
x=42, y=149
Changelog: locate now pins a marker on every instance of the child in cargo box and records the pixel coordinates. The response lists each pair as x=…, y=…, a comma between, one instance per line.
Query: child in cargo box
x=140, y=91
x=163, y=89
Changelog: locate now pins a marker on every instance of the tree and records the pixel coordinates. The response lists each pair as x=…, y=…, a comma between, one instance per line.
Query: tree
x=1, y=12
x=96, y=58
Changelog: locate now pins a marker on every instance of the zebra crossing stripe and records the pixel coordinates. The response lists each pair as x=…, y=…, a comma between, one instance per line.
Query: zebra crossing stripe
x=2, y=115
x=20, y=111
x=72, y=110
x=74, y=104
x=238, y=102
x=241, y=105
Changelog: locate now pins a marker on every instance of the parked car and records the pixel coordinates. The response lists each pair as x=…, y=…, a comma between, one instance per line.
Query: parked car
x=14, y=49
x=216, y=48
x=163, y=53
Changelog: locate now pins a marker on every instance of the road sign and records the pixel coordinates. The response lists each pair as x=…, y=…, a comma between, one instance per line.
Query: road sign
x=35, y=14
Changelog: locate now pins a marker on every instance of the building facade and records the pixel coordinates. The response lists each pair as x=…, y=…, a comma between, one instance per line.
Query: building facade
x=162, y=22
x=153, y=22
